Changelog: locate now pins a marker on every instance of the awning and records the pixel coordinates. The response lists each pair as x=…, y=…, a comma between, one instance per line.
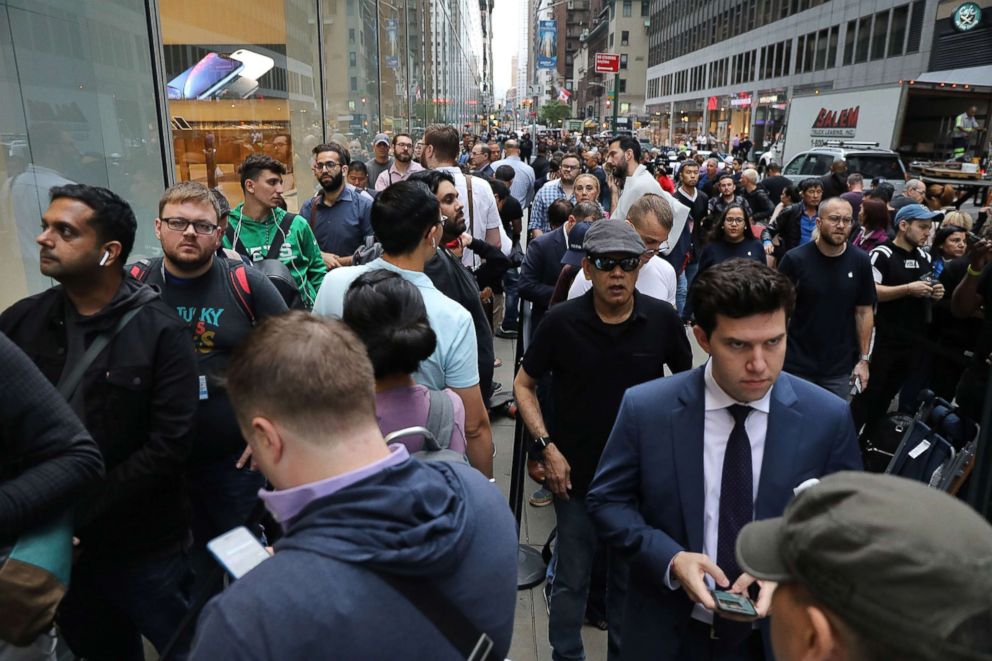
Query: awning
x=590, y=124
x=974, y=76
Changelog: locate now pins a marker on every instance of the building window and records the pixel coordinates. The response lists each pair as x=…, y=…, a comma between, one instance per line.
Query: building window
x=627, y=8
x=879, y=34
x=864, y=36
x=623, y=61
x=916, y=26
x=849, y=42
x=354, y=84
x=625, y=37
x=897, y=31
x=821, y=50
x=351, y=35
x=832, y=47
x=611, y=40
x=352, y=59
x=623, y=85
x=645, y=7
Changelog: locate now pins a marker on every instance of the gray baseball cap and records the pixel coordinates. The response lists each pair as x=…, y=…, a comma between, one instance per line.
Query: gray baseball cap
x=899, y=562
x=612, y=236
x=380, y=137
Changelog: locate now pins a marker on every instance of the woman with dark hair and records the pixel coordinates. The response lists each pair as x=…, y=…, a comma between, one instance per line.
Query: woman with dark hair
x=732, y=237
x=790, y=195
x=874, y=221
x=388, y=315
x=949, y=243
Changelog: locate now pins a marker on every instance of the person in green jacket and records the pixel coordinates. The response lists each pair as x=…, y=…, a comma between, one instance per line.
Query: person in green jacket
x=257, y=225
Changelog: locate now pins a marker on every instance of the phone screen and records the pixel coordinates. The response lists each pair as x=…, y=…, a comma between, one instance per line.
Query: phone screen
x=238, y=551
x=738, y=604
x=209, y=74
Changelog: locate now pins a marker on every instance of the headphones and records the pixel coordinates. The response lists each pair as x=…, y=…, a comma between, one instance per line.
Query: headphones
x=106, y=256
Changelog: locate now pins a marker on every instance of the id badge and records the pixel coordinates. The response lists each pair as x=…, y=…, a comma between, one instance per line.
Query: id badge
x=203, y=387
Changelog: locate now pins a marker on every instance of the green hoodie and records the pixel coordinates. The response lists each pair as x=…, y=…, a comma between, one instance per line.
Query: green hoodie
x=299, y=251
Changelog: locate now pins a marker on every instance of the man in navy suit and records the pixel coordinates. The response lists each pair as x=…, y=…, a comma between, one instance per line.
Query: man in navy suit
x=542, y=263
x=694, y=457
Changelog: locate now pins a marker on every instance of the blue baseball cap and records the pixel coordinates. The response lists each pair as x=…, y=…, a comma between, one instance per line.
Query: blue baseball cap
x=575, y=253
x=917, y=212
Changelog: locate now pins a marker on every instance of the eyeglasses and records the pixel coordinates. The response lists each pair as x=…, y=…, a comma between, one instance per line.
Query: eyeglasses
x=604, y=263
x=329, y=166
x=569, y=168
x=839, y=220
x=733, y=221
x=404, y=145
x=199, y=226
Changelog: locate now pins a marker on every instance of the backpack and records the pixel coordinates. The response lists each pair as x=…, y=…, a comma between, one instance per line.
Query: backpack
x=437, y=433
x=237, y=279
x=270, y=265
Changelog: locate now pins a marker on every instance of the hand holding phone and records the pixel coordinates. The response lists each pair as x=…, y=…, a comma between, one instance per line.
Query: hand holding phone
x=238, y=551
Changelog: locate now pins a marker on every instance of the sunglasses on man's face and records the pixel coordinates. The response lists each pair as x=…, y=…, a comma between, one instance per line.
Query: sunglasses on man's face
x=607, y=264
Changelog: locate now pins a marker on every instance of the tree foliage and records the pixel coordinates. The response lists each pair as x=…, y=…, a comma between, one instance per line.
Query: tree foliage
x=553, y=112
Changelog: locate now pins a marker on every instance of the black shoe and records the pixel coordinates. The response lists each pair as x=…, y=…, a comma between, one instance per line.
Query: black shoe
x=497, y=387
x=505, y=334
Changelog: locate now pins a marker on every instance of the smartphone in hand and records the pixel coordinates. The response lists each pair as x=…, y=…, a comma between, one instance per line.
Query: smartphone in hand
x=734, y=604
x=238, y=551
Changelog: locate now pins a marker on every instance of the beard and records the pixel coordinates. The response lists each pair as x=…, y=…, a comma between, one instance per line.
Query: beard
x=454, y=227
x=332, y=182
x=403, y=157
x=187, y=260
x=832, y=239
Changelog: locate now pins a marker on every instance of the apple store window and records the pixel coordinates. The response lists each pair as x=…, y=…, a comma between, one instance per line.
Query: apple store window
x=242, y=78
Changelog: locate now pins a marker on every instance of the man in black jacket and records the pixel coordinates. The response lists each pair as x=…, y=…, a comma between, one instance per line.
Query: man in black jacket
x=835, y=182
x=756, y=197
x=795, y=224
x=137, y=399
x=451, y=277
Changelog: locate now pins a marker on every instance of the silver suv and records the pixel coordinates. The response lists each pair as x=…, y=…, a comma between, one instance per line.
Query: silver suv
x=866, y=158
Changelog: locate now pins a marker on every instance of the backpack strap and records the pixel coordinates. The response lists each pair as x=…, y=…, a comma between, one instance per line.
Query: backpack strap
x=312, y=216
x=280, y=237
x=140, y=269
x=241, y=288
x=235, y=240
x=440, y=421
x=471, y=204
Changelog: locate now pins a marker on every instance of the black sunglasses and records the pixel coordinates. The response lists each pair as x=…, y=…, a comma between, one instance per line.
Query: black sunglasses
x=604, y=263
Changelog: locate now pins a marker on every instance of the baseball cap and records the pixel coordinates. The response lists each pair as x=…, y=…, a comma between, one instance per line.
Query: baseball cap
x=576, y=236
x=380, y=137
x=898, y=561
x=612, y=236
x=917, y=212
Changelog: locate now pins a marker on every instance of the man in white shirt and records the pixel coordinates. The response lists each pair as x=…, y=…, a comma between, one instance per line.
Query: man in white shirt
x=481, y=212
x=625, y=156
x=694, y=457
x=651, y=216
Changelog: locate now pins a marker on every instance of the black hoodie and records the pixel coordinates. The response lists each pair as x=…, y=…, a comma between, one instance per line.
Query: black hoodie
x=138, y=399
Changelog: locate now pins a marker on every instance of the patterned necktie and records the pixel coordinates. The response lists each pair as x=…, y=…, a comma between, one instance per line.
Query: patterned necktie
x=736, y=510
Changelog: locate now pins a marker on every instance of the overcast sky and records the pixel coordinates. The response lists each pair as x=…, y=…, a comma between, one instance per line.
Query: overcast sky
x=506, y=24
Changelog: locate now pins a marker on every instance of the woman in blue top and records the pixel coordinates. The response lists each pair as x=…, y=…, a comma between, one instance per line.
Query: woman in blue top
x=732, y=237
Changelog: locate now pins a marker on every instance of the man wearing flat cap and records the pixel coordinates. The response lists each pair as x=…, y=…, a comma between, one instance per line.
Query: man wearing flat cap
x=595, y=346
x=875, y=568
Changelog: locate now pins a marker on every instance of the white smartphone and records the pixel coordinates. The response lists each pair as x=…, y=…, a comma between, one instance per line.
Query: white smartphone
x=209, y=76
x=256, y=64
x=238, y=551
x=241, y=88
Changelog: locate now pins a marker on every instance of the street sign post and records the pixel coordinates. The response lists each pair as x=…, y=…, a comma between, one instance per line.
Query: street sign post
x=610, y=63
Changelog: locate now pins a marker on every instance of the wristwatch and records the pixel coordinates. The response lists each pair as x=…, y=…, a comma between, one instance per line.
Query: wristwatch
x=537, y=445
x=865, y=357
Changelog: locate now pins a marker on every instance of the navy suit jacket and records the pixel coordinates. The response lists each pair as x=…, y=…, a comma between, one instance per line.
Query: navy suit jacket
x=540, y=270
x=647, y=496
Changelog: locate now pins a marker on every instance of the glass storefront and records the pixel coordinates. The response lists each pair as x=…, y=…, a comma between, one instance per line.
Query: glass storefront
x=103, y=93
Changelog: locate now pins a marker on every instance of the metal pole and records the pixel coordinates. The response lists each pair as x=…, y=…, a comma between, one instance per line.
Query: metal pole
x=616, y=100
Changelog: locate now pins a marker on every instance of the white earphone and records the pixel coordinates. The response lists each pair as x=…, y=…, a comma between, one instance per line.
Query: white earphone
x=106, y=256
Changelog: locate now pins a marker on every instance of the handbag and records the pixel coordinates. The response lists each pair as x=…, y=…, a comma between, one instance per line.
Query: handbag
x=35, y=575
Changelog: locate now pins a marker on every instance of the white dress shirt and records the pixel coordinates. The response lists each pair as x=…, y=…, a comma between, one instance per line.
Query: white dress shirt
x=717, y=425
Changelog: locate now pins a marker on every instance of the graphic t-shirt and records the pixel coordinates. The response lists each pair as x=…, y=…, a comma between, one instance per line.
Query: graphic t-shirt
x=904, y=318
x=217, y=324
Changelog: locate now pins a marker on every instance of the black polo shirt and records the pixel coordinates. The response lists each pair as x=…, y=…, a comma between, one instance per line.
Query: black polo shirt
x=904, y=319
x=593, y=363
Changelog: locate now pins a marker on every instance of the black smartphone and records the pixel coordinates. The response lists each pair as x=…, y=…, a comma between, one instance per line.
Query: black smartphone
x=734, y=604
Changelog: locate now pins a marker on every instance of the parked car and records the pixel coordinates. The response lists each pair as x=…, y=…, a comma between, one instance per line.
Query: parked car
x=868, y=161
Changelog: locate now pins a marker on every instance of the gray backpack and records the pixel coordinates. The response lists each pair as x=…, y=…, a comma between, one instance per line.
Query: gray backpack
x=437, y=433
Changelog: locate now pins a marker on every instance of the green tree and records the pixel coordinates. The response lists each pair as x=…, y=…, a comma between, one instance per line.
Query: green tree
x=553, y=112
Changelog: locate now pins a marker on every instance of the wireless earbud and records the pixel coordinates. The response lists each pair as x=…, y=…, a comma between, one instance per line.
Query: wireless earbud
x=106, y=256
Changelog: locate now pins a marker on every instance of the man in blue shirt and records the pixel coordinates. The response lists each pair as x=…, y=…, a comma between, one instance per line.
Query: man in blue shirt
x=559, y=189
x=407, y=221
x=523, y=180
x=341, y=220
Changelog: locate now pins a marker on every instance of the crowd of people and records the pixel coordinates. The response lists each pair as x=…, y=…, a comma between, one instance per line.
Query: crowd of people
x=325, y=379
